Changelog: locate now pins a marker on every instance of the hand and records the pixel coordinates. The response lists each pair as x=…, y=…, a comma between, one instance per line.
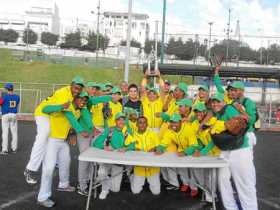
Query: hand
x=66, y=105
x=217, y=69
x=157, y=73
x=196, y=154
x=122, y=150
x=181, y=154
x=108, y=148
x=157, y=114
x=84, y=134
x=158, y=152
x=96, y=132
x=73, y=140
x=239, y=107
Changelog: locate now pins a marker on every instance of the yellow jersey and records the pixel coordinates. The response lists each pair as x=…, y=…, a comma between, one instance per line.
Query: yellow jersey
x=150, y=108
x=115, y=108
x=144, y=142
x=172, y=107
x=97, y=115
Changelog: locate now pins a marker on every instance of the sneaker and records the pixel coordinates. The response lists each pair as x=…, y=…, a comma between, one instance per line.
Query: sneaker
x=29, y=177
x=171, y=187
x=14, y=151
x=66, y=189
x=194, y=192
x=184, y=188
x=4, y=153
x=103, y=194
x=82, y=192
x=47, y=203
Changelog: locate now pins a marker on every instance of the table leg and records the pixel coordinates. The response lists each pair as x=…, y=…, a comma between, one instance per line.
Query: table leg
x=95, y=178
x=90, y=186
x=213, y=177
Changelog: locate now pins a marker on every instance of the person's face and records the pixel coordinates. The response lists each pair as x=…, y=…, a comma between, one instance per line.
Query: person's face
x=124, y=87
x=232, y=93
x=178, y=94
x=217, y=105
x=183, y=110
x=133, y=117
x=76, y=89
x=152, y=96
x=202, y=94
x=166, y=87
x=120, y=123
x=142, y=124
x=133, y=93
x=200, y=115
x=91, y=91
x=81, y=102
x=239, y=93
x=175, y=126
x=116, y=97
x=109, y=88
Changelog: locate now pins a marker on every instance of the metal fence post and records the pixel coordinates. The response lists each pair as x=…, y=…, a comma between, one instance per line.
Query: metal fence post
x=270, y=110
x=20, y=95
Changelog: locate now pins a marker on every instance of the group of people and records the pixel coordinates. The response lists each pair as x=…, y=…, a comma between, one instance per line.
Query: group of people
x=150, y=118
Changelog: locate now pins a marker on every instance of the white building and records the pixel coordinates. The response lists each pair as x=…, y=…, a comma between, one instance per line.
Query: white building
x=114, y=25
x=40, y=16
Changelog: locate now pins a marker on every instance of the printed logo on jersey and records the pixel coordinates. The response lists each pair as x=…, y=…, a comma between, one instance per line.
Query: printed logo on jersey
x=13, y=104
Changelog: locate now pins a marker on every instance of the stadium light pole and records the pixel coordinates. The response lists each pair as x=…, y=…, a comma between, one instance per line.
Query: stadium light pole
x=97, y=30
x=126, y=70
x=163, y=32
x=210, y=36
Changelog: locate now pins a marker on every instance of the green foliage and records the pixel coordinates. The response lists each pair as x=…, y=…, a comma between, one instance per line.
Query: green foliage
x=29, y=36
x=150, y=45
x=72, y=40
x=133, y=43
x=9, y=35
x=48, y=38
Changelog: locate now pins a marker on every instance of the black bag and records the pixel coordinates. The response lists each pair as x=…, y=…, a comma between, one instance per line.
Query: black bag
x=226, y=141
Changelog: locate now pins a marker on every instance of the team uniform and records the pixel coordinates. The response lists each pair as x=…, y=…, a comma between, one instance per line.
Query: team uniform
x=220, y=89
x=9, y=103
x=144, y=142
x=241, y=169
x=58, y=150
x=115, y=107
x=59, y=97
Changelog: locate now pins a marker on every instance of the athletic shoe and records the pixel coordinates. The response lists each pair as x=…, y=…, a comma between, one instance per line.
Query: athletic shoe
x=103, y=194
x=66, y=189
x=4, y=153
x=184, y=188
x=29, y=177
x=14, y=151
x=194, y=193
x=171, y=187
x=82, y=192
x=47, y=203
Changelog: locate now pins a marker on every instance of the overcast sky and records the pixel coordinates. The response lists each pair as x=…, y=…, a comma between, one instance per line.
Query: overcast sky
x=257, y=17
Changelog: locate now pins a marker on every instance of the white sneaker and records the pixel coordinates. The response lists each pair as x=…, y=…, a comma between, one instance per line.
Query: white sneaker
x=103, y=194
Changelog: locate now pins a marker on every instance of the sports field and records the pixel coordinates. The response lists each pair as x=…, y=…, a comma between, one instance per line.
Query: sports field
x=15, y=194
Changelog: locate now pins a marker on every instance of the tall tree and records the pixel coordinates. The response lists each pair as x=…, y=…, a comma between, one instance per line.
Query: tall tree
x=9, y=35
x=72, y=40
x=49, y=39
x=150, y=45
x=133, y=43
x=29, y=36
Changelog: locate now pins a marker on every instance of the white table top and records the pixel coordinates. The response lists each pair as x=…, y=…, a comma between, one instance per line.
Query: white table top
x=150, y=159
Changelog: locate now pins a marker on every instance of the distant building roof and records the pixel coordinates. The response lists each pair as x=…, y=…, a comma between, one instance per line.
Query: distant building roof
x=125, y=14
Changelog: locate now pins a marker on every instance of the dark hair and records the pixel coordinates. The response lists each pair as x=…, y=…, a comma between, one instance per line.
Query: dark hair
x=133, y=86
x=142, y=117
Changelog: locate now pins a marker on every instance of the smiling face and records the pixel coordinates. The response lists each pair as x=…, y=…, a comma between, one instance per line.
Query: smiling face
x=120, y=123
x=80, y=102
x=178, y=94
x=116, y=97
x=202, y=94
x=200, y=115
x=76, y=89
x=133, y=93
x=175, y=126
x=217, y=105
x=166, y=87
x=232, y=93
x=142, y=124
x=152, y=96
x=184, y=110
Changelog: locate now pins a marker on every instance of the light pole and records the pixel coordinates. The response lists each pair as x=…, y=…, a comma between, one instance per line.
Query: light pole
x=163, y=32
x=261, y=56
x=97, y=28
x=228, y=33
x=210, y=34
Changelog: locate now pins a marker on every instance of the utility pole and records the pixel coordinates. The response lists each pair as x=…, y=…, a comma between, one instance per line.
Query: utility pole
x=97, y=29
x=126, y=70
x=163, y=32
x=209, y=43
x=228, y=35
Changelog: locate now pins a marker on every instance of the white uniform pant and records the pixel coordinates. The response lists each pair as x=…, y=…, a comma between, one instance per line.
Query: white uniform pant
x=170, y=175
x=58, y=151
x=187, y=176
x=9, y=121
x=137, y=183
x=113, y=182
x=242, y=170
x=40, y=144
x=84, y=167
x=252, y=140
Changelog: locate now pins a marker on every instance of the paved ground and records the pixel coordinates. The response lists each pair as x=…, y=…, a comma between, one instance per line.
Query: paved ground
x=16, y=195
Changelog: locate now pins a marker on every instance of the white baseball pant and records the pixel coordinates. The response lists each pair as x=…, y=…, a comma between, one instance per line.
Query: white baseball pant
x=40, y=144
x=242, y=170
x=170, y=175
x=57, y=151
x=9, y=121
x=187, y=177
x=137, y=183
x=84, y=167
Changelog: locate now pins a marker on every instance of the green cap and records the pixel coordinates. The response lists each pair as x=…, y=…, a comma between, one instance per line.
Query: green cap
x=129, y=111
x=199, y=107
x=116, y=90
x=203, y=87
x=83, y=94
x=103, y=87
x=237, y=85
x=183, y=86
x=175, y=117
x=108, y=84
x=153, y=89
x=78, y=80
x=218, y=97
x=119, y=115
x=167, y=82
x=184, y=102
x=91, y=84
